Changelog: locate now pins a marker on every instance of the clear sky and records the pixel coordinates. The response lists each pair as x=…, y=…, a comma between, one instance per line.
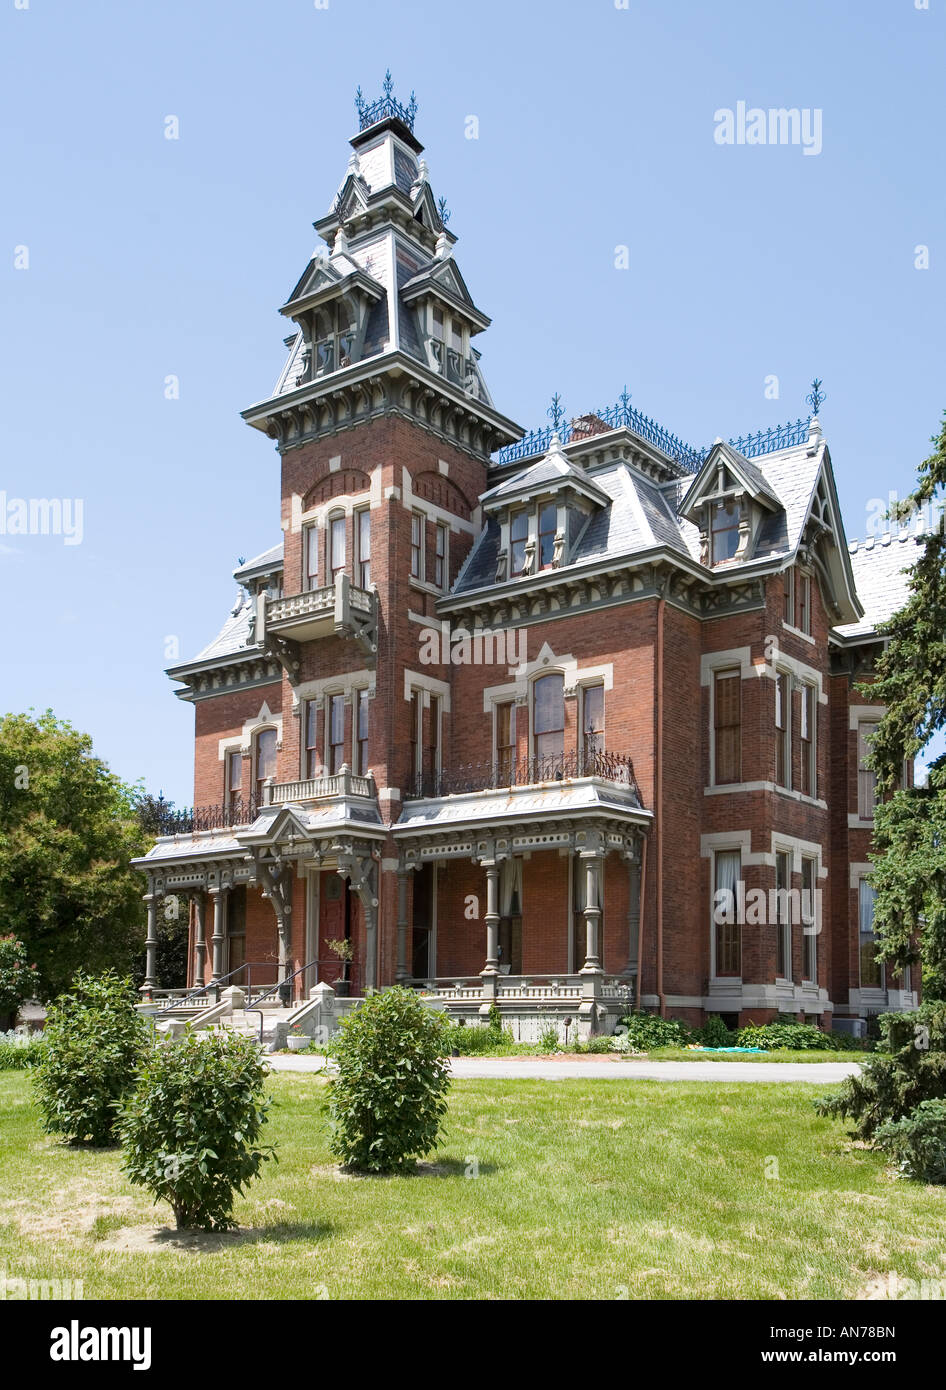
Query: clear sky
x=150, y=257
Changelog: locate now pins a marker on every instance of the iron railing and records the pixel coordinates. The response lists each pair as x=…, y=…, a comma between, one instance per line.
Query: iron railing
x=625, y=416
x=186, y=820
x=213, y=987
x=526, y=772
x=385, y=107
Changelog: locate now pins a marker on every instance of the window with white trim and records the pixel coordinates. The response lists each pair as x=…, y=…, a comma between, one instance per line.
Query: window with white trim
x=363, y=547
x=336, y=529
x=783, y=745
x=265, y=760
x=234, y=778
x=441, y=569
x=811, y=918
x=361, y=726
x=783, y=915
x=866, y=776
x=548, y=716
x=872, y=973
x=336, y=733
x=727, y=727
x=417, y=545
x=727, y=933
x=808, y=725
x=312, y=758
x=310, y=557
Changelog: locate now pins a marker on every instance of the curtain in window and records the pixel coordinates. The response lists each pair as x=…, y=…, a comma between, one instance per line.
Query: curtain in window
x=510, y=888
x=728, y=935
x=872, y=970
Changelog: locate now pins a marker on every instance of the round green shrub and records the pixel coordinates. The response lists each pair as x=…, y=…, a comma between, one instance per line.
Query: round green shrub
x=917, y=1142
x=800, y=1037
x=191, y=1129
x=646, y=1032
x=714, y=1033
x=387, y=1099
x=93, y=1045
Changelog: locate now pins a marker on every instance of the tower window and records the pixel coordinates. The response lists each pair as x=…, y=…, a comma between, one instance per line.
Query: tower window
x=363, y=540
x=265, y=760
x=417, y=545
x=337, y=544
x=440, y=556
x=548, y=524
x=311, y=557
x=592, y=722
x=336, y=733
x=727, y=727
x=518, y=535
x=548, y=716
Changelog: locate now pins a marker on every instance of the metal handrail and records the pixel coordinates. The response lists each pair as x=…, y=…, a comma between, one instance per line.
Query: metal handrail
x=280, y=984
x=215, y=984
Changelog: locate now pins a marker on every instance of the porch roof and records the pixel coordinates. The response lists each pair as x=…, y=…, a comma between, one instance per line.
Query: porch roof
x=579, y=798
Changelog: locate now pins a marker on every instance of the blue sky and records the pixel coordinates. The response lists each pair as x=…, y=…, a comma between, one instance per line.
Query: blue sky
x=150, y=257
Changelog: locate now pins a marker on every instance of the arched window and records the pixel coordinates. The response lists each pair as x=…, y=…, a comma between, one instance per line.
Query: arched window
x=548, y=717
x=265, y=760
x=336, y=540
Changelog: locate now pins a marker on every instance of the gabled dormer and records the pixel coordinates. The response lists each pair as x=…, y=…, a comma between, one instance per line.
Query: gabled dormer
x=728, y=501
x=541, y=513
x=331, y=304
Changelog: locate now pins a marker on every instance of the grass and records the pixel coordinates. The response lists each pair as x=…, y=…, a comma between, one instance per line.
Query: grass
x=680, y=1054
x=585, y=1189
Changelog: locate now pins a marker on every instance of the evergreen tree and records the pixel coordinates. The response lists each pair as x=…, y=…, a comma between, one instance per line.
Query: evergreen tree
x=910, y=823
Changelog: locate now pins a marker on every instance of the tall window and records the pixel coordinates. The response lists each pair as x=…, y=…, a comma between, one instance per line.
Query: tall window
x=788, y=595
x=592, y=722
x=234, y=779
x=265, y=760
x=361, y=732
x=783, y=915
x=728, y=867
x=440, y=556
x=872, y=969
x=337, y=544
x=518, y=535
x=548, y=716
x=803, y=602
x=336, y=733
x=808, y=716
x=433, y=736
x=417, y=719
x=724, y=529
x=335, y=338
x=783, y=760
x=312, y=759
x=810, y=919
x=548, y=524
x=506, y=742
x=363, y=542
x=866, y=776
x=311, y=557
x=417, y=545
x=728, y=727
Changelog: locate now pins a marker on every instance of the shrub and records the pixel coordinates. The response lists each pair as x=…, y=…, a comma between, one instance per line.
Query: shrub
x=645, y=1032
x=599, y=1044
x=472, y=1041
x=18, y=979
x=800, y=1037
x=891, y=1086
x=19, y=1051
x=388, y=1098
x=549, y=1041
x=191, y=1128
x=94, y=1044
x=917, y=1142
x=714, y=1033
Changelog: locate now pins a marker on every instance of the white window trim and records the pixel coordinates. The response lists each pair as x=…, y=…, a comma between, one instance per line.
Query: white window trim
x=784, y=928
x=812, y=936
x=713, y=785
x=788, y=731
x=733, y=848
x=812, y=740
x=442, y=529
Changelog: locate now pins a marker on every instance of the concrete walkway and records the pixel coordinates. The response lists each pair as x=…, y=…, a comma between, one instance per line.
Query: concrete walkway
x=538, y=1068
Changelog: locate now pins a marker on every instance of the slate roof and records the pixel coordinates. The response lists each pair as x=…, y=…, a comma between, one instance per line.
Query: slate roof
x=234, y=634
x=882, y=586
x=269, y=560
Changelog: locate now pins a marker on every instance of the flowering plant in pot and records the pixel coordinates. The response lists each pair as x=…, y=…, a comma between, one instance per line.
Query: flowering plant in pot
x=296, y=1039
x=342, y=948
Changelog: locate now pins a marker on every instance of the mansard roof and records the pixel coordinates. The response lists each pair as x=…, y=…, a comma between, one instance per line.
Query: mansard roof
x=879, y=564
x=269, y=562
x=752, y=478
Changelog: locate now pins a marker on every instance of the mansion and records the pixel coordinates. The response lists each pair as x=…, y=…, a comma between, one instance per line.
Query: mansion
x=563, y=721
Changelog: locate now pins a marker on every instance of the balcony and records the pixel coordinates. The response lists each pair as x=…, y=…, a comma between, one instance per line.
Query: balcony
x=527, y=772
x=344, y=785
x=340, y=608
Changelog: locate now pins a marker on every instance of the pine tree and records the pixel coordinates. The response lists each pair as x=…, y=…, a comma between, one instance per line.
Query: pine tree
x=909, y=854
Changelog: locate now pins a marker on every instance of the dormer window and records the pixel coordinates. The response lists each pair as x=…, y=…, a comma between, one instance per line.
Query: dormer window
x=335, y=339
x=548, y=524
x=518, y=535
x=447, y=340
x=724, y=530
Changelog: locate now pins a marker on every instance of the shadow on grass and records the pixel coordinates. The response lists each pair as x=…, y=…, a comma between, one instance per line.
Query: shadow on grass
x=443, y=1168
x=154, y=1240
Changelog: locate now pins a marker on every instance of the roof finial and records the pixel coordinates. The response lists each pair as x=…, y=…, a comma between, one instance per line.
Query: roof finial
x=443, y=210
x=556, y=412
x=816, y=397
x=625, y=400
x=386, y=108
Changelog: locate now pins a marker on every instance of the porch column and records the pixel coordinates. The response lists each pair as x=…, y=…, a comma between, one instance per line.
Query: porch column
x=592, y=863
x=151, y=942
x=200, y=938
x=219, y=937
x=402, y=973
x=490, y=973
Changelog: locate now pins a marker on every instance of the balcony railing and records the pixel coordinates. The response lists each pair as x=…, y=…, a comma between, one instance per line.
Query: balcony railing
x=309, y=604
x=526, y=772
x=343, y=783
x=188, y=820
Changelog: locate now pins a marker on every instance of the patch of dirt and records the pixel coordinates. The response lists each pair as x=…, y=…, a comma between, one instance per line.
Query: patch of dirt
x=337, y=1173
x=158, y=1240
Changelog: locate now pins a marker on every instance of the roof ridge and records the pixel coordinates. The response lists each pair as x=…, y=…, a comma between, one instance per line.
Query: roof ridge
x=882, y=540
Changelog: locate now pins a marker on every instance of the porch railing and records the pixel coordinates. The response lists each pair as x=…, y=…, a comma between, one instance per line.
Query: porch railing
x=528, y=988
x=526, y=772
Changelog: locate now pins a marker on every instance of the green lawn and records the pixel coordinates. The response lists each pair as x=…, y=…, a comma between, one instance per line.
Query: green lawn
x=682, y=1054
x=586, y=1189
